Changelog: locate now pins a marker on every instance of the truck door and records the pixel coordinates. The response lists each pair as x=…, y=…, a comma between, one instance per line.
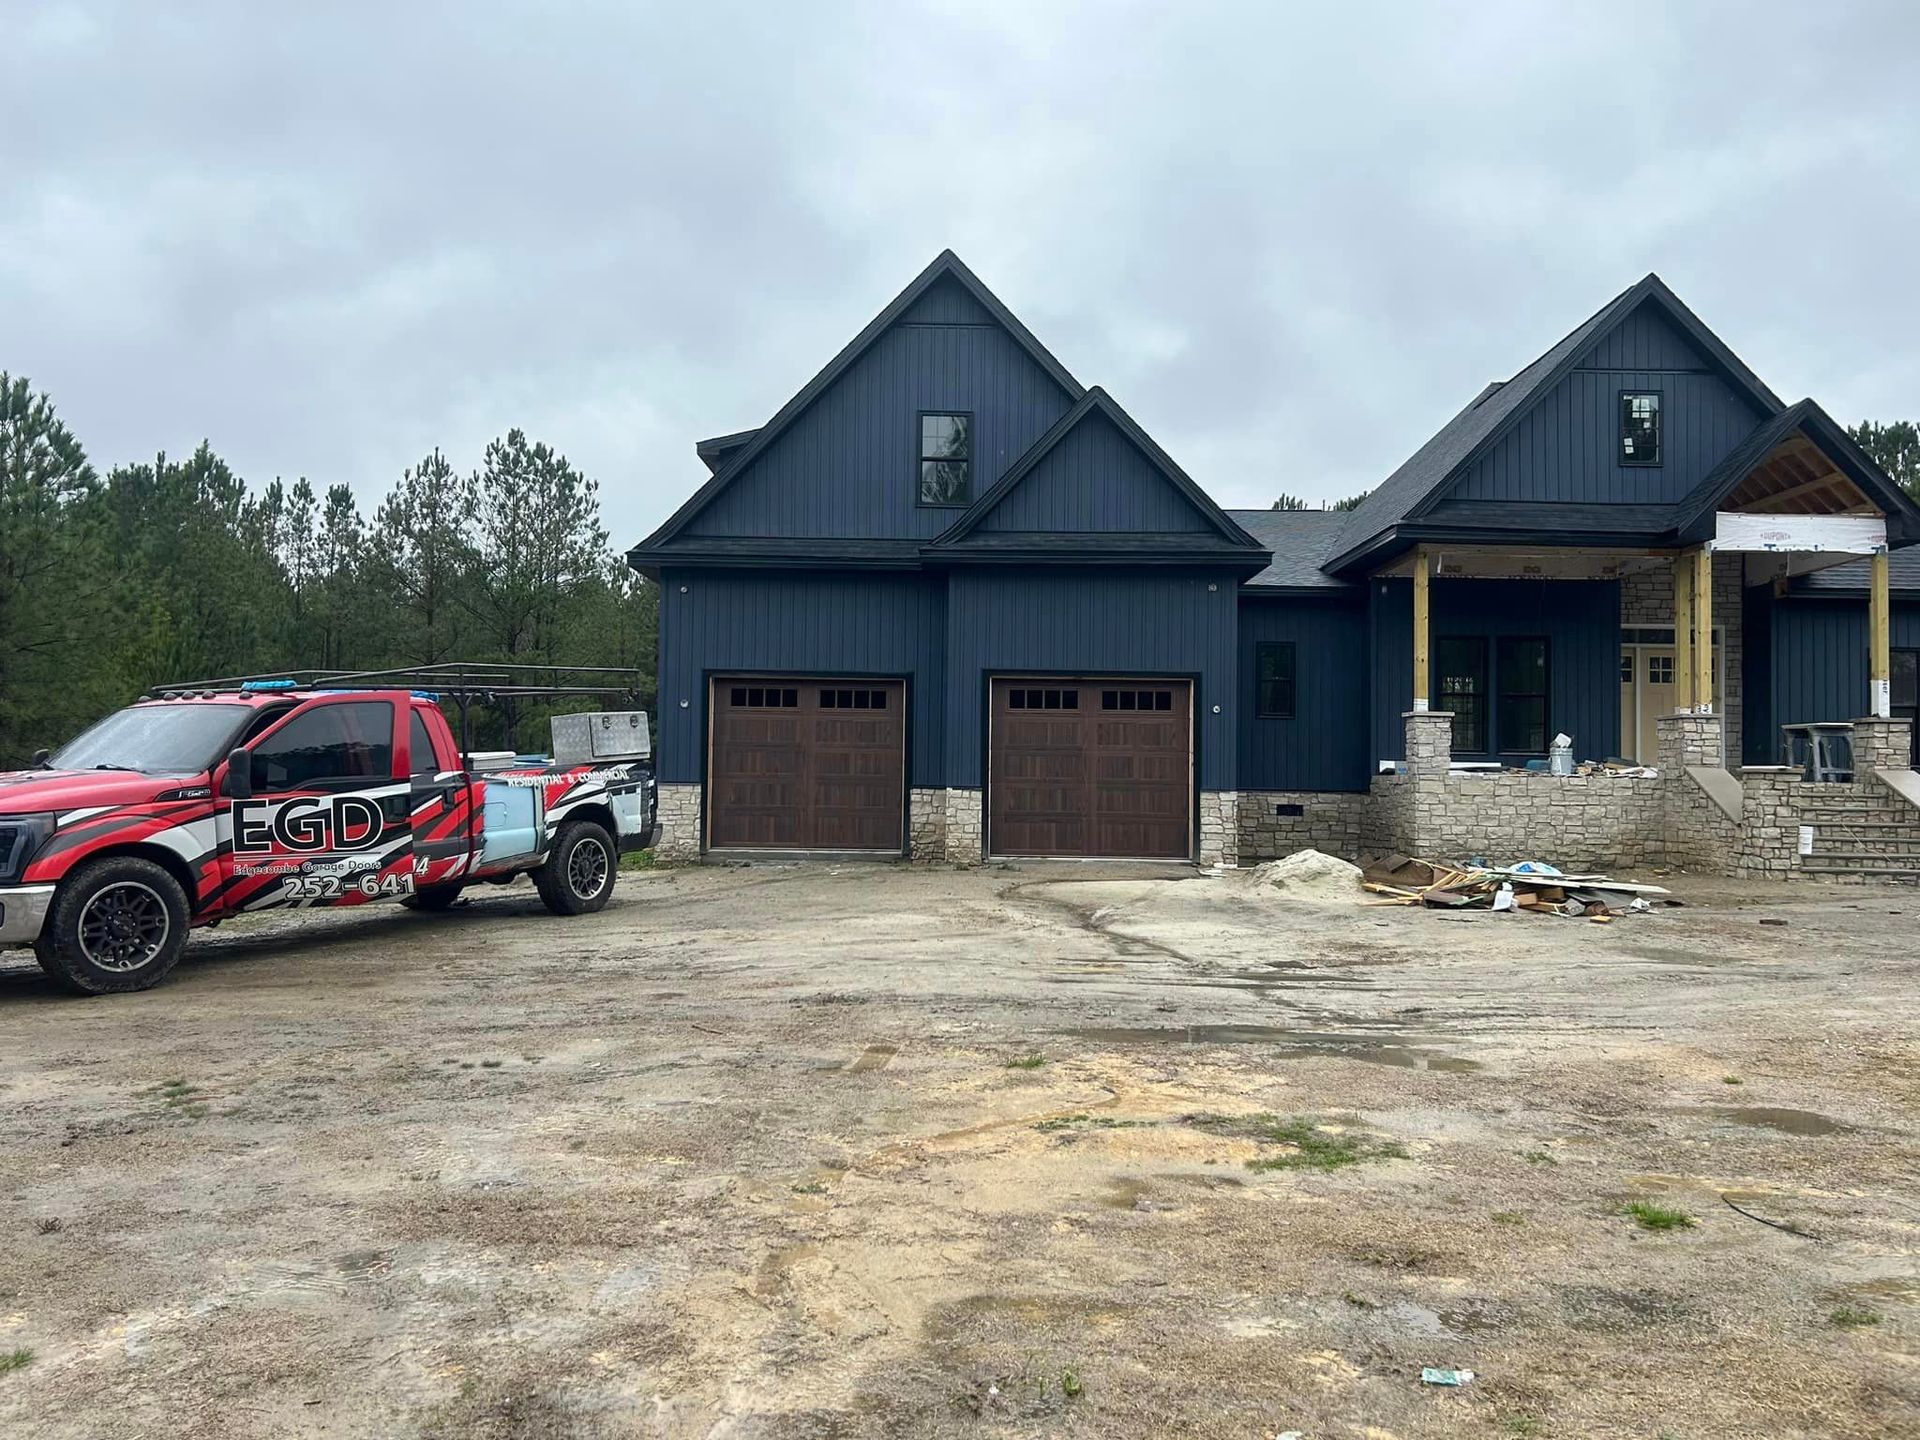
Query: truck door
x=444, y=819
x=329, y=819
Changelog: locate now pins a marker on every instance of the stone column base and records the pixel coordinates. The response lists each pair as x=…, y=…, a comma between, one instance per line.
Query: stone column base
x=1219, y=827
x=679, y=823
x=1881, y=745
x=927, y=825
x=964, y=828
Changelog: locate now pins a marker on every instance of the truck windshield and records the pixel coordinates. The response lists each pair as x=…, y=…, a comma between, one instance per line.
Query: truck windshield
x=173, y=739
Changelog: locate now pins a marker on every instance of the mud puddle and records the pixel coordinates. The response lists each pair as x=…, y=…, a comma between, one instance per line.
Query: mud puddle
x=1787, y=1122
x=1287, y=1044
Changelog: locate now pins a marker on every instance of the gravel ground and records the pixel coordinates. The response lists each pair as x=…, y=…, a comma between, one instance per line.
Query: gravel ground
x=844, y=1151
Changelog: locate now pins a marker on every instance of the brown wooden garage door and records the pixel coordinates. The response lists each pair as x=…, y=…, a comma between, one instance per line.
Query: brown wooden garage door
x=806, y=765
x=1091, y=767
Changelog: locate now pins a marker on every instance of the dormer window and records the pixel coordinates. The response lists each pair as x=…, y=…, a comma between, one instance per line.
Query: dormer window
x=946, y=458
x=1640, y=427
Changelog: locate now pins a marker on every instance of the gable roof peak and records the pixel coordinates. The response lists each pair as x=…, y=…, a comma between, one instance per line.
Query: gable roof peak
x=1096, y=398
x=1426, y=475
x=946, y=263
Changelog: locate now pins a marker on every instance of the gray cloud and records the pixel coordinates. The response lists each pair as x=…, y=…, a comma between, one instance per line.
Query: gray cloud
x=1289, y=240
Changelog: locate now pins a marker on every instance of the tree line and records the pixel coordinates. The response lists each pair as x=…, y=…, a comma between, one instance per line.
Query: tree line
x=176, y=569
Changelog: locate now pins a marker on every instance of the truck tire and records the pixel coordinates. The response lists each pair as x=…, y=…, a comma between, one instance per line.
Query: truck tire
x=578, y=876
x=433, y=897
x=117, y=923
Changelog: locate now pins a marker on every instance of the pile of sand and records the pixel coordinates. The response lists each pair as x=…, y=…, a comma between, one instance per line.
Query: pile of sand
x=1310, y=876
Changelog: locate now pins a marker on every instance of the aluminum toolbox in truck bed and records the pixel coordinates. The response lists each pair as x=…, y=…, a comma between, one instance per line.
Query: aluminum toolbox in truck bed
x=599, y=735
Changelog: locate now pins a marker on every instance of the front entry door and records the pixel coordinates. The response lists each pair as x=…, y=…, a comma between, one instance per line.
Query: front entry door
x=1647, y=693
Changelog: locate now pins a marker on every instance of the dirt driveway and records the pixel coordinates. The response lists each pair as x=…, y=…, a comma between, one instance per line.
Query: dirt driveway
x=866, y=1151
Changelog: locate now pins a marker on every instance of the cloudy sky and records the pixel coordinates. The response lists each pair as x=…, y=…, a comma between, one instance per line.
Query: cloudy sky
x=1291, y=239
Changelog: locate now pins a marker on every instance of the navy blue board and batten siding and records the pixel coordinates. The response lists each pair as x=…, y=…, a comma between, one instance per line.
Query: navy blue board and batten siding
x=1817, y=650
x=1095, y=481
x=829, y=624
x=1323, y=746
x=1566, y=448
x=1580, y=620
x=847, y=466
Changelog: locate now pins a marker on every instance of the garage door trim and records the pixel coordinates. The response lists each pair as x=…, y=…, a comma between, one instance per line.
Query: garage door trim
x=1190, y=678
x=711, y=677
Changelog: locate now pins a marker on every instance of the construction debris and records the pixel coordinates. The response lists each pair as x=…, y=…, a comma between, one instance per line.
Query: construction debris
x=1530, y=885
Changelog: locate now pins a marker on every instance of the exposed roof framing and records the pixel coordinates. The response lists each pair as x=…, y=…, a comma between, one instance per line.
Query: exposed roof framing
x=1800, y=462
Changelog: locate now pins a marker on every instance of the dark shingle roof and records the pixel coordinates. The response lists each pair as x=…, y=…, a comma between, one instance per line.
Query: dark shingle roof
x=1434, y=464
x=1903, y=573
x=1299, y=540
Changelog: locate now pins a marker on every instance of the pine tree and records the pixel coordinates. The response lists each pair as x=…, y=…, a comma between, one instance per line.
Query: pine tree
x=52, y=572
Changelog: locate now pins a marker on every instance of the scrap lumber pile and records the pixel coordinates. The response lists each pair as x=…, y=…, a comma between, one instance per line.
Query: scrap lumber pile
x=1529, y=885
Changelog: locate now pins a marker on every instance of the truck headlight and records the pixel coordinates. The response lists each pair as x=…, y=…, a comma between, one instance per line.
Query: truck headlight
x=21, y=837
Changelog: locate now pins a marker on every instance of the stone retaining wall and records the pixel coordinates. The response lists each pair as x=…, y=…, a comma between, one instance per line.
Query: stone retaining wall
x=1574, y=821
x=1335, y=823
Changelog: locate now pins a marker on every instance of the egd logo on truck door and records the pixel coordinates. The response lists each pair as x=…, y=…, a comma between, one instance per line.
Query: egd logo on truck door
x=307, y=825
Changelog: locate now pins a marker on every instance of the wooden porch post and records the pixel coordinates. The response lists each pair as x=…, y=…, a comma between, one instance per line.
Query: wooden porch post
x=1879, y=651
x=1422, y=669
x=1703, y=696
x=1683, y=634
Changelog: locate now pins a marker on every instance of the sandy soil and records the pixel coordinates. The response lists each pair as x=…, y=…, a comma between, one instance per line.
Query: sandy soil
x=746, y=1156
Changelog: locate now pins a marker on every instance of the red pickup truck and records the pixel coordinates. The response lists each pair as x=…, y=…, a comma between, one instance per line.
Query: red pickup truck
x=186, y=810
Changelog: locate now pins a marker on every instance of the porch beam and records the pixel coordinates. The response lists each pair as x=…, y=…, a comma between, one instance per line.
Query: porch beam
x=1683, y=634
x=1422, y=668
x=1703, y=696
x=1879, y=639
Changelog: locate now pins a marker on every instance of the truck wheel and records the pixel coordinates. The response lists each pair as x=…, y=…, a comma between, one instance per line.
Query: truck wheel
x=578, y=875
x=433, y=897
x=117, y=923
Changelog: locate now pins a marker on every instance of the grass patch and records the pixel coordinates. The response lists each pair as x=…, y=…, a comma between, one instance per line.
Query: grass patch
x=11, y=1360
x=1311, y=1147
x=812, y=1187
x=179, y=1097
x=1853, y=1317
x=1095, y=1122
x=1649, y=1216
x=1027, y=1062
x=1538, y=1157
x=1525, y=1425
x=1508, y=1217
x=639, y=860
x=1731, y=1080
x=1070, y=1384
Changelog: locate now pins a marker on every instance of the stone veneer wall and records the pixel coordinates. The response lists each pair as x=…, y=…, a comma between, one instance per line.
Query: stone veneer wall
x=1219, y=827
x=927, y=825
x=1699, y=835
x=1573, y=821
x=963, y=827
x=1881, y=745
x=679, y=822
x=1332, y=821
x=1769, y=840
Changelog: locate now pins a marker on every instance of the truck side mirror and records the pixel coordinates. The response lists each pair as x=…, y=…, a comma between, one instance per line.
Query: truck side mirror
x=240, y=773
x=40, y=758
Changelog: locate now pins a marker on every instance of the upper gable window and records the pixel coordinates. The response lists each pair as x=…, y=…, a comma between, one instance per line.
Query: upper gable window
x=946, y=458
x=1640, y=427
